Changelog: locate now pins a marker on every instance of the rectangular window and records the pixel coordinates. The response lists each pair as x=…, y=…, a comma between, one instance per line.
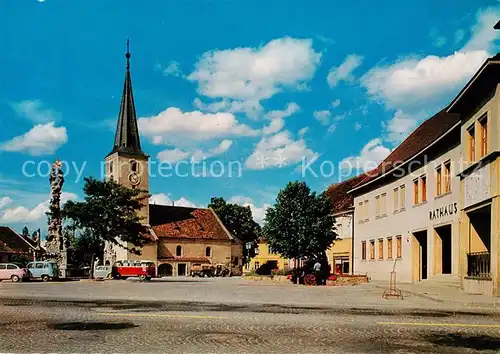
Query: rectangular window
x=377, y=206
x=399, y=245
x=438, y=181
x=257, y=265
x=402, y=197
x=395, y=199
x=447, y=176
x=389, y=248
x=363, y=250
x=423, y=181
x=415, y=191
x=360, y=212
x=366, y=210
x=372, y=249
x=381, y=248
x=483, y=123
x=383, y=204
x=472, y=143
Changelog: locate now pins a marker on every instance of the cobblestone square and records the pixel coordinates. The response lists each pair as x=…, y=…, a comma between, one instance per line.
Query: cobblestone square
x=233, y=315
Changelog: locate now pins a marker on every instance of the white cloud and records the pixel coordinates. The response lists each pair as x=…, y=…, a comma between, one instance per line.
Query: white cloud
x=35, y=111
x=258, y=213
x=195, y=125
x=336, y=119
x=274, y=126
x=303, y=131
x=409, y=82
x=277, y=118
x=164, y=199
x=401, y=124
x=175, y=155
x=23, y=214
x=369, y=158
x=278, y=150
x=4, y=201
x=413, y=81
x=484, y=37
x=245, y=76
x=344, y=71
x=335, y=103
x=291, y=108
x=358, y=126
x=42, y=139
x=439, y=41
x=332, y=127
x=459, y=35
x=173, y=69
x=322, y=116
x=252, y=109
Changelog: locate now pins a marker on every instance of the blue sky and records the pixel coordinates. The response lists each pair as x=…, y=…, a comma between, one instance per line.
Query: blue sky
x=264, y=84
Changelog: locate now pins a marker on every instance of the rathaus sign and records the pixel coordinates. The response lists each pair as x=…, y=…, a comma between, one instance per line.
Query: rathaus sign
x=443, y=211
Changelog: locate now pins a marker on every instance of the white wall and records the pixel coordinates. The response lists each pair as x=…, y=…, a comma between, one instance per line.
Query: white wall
x=404, y=223
x=343, y=226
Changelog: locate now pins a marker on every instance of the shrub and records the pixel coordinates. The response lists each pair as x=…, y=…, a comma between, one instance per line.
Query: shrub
x=282, y=271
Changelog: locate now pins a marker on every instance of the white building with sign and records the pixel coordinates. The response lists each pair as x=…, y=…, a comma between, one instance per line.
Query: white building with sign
x=407, y=210
x=430, y=209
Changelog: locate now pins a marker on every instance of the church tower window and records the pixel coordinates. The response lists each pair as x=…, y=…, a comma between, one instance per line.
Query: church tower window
x=133, y=166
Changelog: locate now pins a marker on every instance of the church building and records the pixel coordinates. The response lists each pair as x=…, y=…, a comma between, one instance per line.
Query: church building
x=178, y=236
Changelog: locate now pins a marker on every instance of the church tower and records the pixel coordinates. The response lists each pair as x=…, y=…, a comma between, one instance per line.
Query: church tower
x=127, y=164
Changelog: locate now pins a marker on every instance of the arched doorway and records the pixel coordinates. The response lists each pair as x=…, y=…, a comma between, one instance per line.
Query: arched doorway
x=165, y=270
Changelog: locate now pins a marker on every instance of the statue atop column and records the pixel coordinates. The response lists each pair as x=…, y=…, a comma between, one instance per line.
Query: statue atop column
x=57, y=243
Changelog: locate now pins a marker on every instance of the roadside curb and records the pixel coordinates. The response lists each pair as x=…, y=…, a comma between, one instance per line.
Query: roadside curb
x=494, y=305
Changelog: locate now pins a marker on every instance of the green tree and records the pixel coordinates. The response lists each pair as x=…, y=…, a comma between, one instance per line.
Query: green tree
x=300, y=224
x=26, y=232
x=108, y=213
x=82, y=246
x=239, y=221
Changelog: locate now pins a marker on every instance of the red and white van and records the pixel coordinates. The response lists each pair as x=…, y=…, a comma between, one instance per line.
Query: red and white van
x=144, y=270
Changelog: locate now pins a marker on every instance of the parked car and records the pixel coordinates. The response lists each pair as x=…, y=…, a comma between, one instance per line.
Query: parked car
x=202, y=270
x=13, y=272
x=43, y=270
x=103, y=272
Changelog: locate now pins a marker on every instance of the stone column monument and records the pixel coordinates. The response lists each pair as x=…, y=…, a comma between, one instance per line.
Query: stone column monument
x=57, y=243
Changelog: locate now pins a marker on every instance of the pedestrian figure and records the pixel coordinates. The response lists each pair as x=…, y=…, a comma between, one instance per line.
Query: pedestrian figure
x=317, y=272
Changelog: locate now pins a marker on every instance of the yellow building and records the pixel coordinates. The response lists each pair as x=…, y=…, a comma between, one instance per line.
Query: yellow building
x=267, y=259
x=340, y=252
x=479, y=107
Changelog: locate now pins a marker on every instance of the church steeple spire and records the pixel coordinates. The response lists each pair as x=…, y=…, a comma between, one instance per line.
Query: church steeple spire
x=127, y=134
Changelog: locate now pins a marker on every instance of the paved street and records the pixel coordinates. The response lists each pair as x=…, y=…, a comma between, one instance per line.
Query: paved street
x=232, y=315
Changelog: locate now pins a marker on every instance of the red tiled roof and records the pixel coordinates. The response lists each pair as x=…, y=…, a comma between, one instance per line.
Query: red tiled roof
x=341, y=200
x=188, y=223
x=150, y=235
x=425, y=134
x=12, y=242
x=186, y=259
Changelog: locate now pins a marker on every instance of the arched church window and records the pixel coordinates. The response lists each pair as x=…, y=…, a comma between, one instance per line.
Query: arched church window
x=133, y=166
x=208, y=252
x=178, y=251
x=111, y=167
